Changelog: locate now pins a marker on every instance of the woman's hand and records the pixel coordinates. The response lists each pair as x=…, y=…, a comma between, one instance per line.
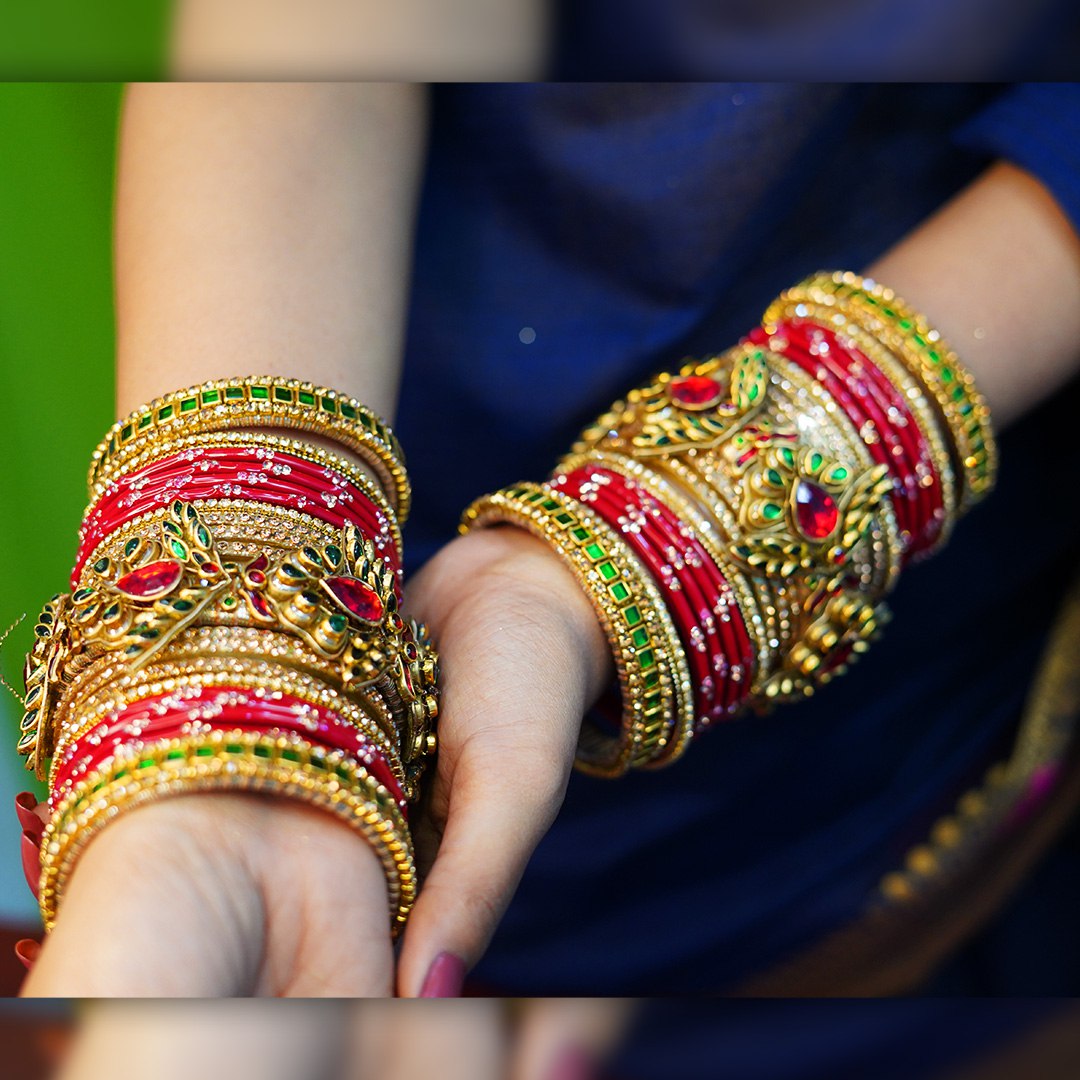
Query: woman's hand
x=523, y=656
x=454, y=1040
x=231, y=894
x=216, y=895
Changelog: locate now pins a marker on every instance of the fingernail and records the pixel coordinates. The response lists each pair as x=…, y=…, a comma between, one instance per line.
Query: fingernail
x=31, y=862
x=572, y=1064
x=25, y=802
x=445, y=977
x=27, y=950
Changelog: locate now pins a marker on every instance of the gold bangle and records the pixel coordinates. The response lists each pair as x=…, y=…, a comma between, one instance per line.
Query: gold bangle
x=95, y=703
x=262, y=401
x=927, y=417
x=881, y=568
x=229, y=761
x=653, y=674
x=924, y=353
x=242, y=530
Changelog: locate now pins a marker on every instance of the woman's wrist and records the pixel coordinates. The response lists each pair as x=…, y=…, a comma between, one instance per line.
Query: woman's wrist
x=234, y=625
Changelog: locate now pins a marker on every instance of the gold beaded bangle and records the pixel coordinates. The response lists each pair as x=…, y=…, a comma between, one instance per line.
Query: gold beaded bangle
x=269, y=445
x=261, y=401
x=930, y=423
x=688, y=510
x=95, y=703
x=229, y=761
x=924, y=353
x=652, y=670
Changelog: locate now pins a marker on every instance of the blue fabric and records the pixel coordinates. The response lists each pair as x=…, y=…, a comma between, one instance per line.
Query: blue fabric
x=572, y=239
x=829, y=1040
x=874, y=40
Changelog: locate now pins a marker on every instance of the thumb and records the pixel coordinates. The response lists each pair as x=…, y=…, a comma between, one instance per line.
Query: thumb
x=515, y=690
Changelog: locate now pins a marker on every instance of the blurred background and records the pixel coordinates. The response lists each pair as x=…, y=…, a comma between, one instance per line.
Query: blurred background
x=56, y=169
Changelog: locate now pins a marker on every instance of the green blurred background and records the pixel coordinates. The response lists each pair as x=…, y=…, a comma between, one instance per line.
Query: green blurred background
x=84, y=39
x=57, y=146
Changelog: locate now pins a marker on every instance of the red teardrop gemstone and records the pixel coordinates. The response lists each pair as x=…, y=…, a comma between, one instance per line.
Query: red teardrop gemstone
x=151, y=581
x=356, y=597
x=261, y=563
x=695, y=391
x=258, y=604
x=815, y=511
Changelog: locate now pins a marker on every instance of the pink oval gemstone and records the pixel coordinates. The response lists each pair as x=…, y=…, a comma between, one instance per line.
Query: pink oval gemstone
x=356, y=597
x=151, y=581
x=695, y=391
x=815, y=511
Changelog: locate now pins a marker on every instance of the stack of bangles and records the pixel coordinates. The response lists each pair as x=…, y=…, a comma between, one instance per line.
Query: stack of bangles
x=233, y=624
x=737, y=524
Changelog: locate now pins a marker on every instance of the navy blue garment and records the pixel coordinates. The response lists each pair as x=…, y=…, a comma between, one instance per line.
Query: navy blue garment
x=875, y=40
x=574, y=239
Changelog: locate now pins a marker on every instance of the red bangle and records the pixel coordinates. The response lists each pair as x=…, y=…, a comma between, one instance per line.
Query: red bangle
x=219, y=708
x=718, y=650
x=867, y=395
x=869, y=383
x=733, y=657
x=178, y=479
x=923, y=477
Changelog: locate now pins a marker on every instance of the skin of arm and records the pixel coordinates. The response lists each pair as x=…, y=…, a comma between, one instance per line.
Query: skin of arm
x=431, y=40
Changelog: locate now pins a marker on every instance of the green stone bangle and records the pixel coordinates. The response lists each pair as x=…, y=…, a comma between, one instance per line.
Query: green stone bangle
x=653, y=674
x=254, y=402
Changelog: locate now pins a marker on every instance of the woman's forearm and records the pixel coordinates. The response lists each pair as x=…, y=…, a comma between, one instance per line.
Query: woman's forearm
x=265, y=228
x=997, y=270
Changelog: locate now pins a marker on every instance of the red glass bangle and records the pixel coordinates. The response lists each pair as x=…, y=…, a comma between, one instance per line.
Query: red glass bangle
x=868, y=382
x=219, y=708
x=860, y=412
x=924, y=477
x=733, y=658
x=718, y=650
x=227, y=471
x=673, y=559
x=130, y=498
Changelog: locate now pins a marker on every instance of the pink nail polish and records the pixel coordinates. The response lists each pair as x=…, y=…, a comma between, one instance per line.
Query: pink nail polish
x=445, y=977
x=31, y=861
x=572, y=1064
x=25, y=802
x=27, y=949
